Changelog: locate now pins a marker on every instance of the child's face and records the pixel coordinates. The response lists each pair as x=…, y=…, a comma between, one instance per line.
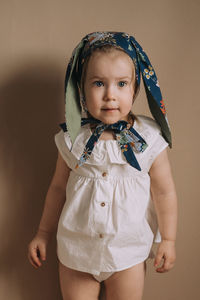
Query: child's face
x=109, y=86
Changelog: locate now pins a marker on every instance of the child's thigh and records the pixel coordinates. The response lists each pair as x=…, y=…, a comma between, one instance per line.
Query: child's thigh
x=76, y=285
x=127, y=284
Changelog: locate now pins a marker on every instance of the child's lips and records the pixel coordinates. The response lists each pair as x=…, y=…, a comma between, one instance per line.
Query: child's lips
x=110, y=109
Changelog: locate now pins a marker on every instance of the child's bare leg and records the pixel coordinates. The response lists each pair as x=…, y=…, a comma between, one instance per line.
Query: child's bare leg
x=127, y=284
x=77, y=285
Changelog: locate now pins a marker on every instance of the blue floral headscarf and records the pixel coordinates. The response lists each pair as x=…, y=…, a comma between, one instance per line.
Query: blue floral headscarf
x=143, y=68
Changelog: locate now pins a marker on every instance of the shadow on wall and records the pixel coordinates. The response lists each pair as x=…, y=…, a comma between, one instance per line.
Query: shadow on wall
x=29, y=115
x=31, y=108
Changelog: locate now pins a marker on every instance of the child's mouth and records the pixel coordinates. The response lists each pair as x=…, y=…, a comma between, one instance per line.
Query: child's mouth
x=109, y=109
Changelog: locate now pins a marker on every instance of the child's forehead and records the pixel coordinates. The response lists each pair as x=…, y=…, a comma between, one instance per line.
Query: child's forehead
x=115, y=57
x=109, y=66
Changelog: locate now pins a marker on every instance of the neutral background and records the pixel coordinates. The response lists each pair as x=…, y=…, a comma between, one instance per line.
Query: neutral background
x=37, y=38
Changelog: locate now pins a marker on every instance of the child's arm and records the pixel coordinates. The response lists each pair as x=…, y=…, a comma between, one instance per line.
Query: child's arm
x=165, y=200
x=54, y=202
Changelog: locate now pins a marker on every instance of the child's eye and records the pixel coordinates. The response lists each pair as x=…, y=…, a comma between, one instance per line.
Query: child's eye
x=98, y=83
x=122, y=83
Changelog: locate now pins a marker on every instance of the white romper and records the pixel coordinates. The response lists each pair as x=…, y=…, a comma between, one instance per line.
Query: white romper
x=108, y=222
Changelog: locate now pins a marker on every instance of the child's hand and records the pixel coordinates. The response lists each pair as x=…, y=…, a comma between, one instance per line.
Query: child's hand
x=37, y=248
x=166, y=250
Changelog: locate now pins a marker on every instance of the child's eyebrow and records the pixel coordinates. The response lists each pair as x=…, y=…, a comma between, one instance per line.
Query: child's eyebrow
x=102, y=78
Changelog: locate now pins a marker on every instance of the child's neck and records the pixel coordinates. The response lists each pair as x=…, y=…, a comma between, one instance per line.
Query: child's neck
x=107, y=135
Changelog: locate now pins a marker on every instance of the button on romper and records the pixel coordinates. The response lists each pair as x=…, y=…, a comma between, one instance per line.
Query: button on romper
x=108, y=222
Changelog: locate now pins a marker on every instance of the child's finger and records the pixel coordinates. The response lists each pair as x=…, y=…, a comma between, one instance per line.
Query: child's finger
x=42, y=251
x=34, y=256
x=166, y=266
x=161, y=269
x=33, y=263
x=158, y=259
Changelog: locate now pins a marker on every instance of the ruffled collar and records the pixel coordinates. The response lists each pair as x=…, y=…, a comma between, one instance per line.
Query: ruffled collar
x=103, y=148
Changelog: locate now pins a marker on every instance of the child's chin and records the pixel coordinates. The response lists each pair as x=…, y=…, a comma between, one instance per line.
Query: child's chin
x=109, y=121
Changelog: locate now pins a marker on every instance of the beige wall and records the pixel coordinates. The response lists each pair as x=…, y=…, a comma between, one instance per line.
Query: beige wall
x=36, y=39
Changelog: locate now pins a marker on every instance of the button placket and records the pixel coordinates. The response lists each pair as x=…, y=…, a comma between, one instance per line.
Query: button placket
x=101, y=213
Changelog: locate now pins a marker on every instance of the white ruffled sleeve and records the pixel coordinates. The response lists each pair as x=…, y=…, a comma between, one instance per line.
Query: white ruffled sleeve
x=151, y=132
x=157, y=147
x=60, y=140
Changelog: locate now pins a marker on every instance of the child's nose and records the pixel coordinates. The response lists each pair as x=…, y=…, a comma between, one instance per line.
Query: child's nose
x=109, y=93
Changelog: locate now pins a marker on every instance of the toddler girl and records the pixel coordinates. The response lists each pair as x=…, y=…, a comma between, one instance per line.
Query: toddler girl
x=113, y=172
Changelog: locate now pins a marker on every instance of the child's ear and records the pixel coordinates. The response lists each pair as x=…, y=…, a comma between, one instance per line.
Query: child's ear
x=136, y=92
x=134, y=96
